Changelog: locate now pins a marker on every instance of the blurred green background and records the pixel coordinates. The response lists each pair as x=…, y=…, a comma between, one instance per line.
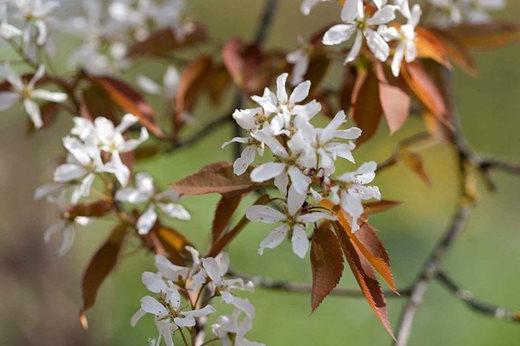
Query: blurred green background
x=40, y=294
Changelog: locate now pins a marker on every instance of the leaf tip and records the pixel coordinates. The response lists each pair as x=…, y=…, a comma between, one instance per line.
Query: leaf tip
x=83, y=320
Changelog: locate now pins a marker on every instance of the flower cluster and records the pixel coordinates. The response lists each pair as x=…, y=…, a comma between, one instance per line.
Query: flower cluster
x=452, y=12
x=108, y=32
x=94, y=149
x=181, y=295
x=364, y=24
x=303, y=163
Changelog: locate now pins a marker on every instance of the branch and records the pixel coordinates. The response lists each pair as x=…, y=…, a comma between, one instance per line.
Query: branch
x=474, y=303
x=488, y=164
x=292, y=287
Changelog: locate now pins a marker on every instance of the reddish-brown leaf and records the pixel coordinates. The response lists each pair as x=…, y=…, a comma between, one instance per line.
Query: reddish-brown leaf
x=95, y=102
x=130, y=101
x=93, y=209
x=457, y=52
x=367, y=108
x=348, y=84
x=425, y=89
x=366, y=280
x=318, y=66
x=99, y=268
x=215, y=178
x=414, y=162
x=394, y=97
x=326, y=263
x=485, y=35
x=166, y=40
x=226, y=207
x=247, y=65
x=227, y=237
x=173, y=242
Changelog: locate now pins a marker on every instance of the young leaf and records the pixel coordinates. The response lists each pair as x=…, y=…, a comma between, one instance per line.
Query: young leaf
x=166, y=40
x=425, y=89
x=226, y=207
x=379, y=206
x=94, y=102
x=326, y=263
x=485, y=35
x=394, y=97
x=430, y=46
x=457, y=51
x=319, y=64
x=193, y=80
x=366, y=280
x=216, y=178
x=93, y=209
x=100, y=266
x=367, y=108
x=130, y=101
x=414, y=162
x=372, y=254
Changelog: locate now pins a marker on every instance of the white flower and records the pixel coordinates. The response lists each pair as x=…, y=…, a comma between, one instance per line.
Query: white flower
x=83, y=163
x=231, y=329
x=284, y=106
x=169, y=85
x=405, y=35
x=111, y=140
x=476, y=11
x=27, y=93
x=66, y=226
x=356, y=191
x=216, y=268
x=167, y=311
x=324, y=145
x=144, y=192
x=36, y=12
x=294, y=224
x=353, y=15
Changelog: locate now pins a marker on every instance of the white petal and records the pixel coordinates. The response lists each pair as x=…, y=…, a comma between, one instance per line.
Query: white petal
x=68, y=172
x=175, y=211
x=338, y=34
x=152, y=306
x=314, y=217
x=281, y=93
x=148, y=85
x=299, y=180
x=377, y=45
x=295, y=200
x=245, y=160
x=246, y=118
x=126, y=122
x=118, y=168
x=67, y=239
x=398, y=59
x=146, y=220
x=49, y=95
x=267, y=171
x=136, y=317
x=264, y=214
x=300, y=243
x=212, y=269
x=281, y=181
x=383, y=16
x=33, y=110
x=275, y=238
x=153, y=282
x=300, y=92
x=8, y=99
x=307, y=111
x=350, y=11
x=144, y=183
x=356, y=48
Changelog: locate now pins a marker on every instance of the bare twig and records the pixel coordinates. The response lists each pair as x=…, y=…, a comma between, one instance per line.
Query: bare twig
x=475, y=304
x=202, y=133
x=489, y=164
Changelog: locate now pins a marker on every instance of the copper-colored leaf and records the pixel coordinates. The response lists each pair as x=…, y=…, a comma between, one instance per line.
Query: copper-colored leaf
x=173, y=242
x=226, y=238
x=326, y=263
x=100, y=266
x=347, y=87
x=130, y=100
x=192, y=81
x=366, y=280
x=394, y=97
x=367, y=108
x=318, y=66
x=379, y=206
x=414, y=162
x=215, y=178
x=485, y=35
x=95, y=102
x=226, y=207
x=457, y=51
x=377, y=259
x=430, y=46
x=425, y=89
x=166, y=40
x=93, y=209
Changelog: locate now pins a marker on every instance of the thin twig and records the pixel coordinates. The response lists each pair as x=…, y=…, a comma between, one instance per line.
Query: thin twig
x=488, y=164
x=202, y=133
x=286, y=286
x=475, y=304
